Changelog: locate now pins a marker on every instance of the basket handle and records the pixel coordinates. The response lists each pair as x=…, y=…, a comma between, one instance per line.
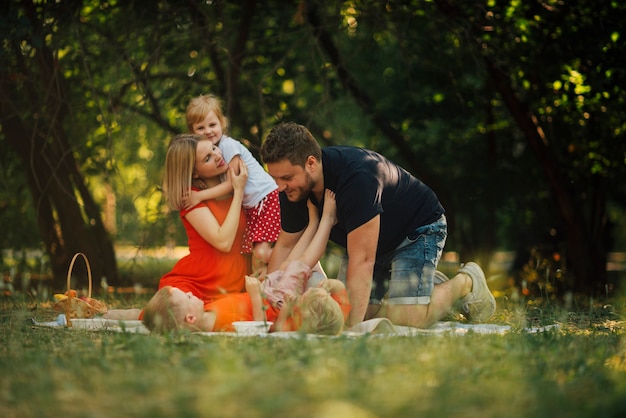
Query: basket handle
x=69, y=272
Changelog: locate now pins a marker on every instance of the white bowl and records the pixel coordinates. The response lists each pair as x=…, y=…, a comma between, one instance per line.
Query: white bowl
x=252, y=327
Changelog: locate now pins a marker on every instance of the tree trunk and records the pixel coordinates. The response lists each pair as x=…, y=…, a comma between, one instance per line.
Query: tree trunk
x=68, y=219
x=65, y=226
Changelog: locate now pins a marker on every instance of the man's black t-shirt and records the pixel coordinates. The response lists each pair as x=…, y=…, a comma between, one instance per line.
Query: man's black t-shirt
x=367, y=184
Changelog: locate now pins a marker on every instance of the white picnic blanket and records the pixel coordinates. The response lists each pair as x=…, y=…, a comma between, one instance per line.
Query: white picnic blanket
x=96, y=324
x=378, y=327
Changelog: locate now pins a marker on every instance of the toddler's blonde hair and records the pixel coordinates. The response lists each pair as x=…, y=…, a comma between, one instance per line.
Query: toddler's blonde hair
x=199, y=107
x=320, y=313
x=161, y=315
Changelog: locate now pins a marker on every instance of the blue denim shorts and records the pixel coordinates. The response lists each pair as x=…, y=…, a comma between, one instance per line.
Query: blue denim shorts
x=405, y=275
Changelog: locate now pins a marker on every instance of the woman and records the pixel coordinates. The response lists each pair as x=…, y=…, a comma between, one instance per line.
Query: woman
x=214, y=266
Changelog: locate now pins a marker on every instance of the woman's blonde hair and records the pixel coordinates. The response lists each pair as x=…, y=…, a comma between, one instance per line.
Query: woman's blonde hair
x=199, y=107
x=320, y=313
x=161, y=315
x=180, y=163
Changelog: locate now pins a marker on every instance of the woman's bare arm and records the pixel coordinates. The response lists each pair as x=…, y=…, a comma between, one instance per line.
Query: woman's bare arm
x=204, y=222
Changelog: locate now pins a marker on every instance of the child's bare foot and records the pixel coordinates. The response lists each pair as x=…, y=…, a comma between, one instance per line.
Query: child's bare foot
x=330, y=207
x=313, y=212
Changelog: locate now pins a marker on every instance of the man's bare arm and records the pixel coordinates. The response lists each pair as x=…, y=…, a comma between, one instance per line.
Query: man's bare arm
x=362, y=245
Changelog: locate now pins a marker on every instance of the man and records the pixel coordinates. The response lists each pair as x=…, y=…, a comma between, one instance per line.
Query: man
x=391, y=224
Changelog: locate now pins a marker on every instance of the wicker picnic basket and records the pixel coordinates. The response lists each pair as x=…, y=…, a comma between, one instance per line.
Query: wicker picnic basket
x=78, y=307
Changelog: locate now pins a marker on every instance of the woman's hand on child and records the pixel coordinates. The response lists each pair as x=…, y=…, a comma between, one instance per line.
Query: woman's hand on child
x=239, y=180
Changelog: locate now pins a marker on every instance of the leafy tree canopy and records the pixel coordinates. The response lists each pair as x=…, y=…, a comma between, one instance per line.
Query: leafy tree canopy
x=512, y=111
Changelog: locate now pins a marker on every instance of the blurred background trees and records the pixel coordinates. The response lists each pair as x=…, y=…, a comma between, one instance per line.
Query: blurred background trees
x=514, y=112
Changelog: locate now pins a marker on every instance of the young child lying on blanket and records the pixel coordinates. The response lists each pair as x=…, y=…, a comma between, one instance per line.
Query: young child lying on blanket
x=321, y=309
x=292, y=277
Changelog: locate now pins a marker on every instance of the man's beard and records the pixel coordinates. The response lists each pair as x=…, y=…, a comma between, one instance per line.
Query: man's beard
x=302, y=193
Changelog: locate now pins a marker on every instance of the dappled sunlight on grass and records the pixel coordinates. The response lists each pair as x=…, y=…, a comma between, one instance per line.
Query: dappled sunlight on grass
x=556, y=373
x=575, y=370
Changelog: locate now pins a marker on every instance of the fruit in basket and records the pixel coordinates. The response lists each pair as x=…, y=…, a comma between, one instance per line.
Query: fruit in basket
x=78, y=307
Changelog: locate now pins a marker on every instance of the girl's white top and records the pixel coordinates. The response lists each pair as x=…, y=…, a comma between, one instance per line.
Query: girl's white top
x=260, y=183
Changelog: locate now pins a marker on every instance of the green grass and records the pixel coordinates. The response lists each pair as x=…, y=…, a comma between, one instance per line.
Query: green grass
x=577, y=371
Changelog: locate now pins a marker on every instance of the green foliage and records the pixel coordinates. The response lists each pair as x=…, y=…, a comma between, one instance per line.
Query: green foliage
x=16, y=204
